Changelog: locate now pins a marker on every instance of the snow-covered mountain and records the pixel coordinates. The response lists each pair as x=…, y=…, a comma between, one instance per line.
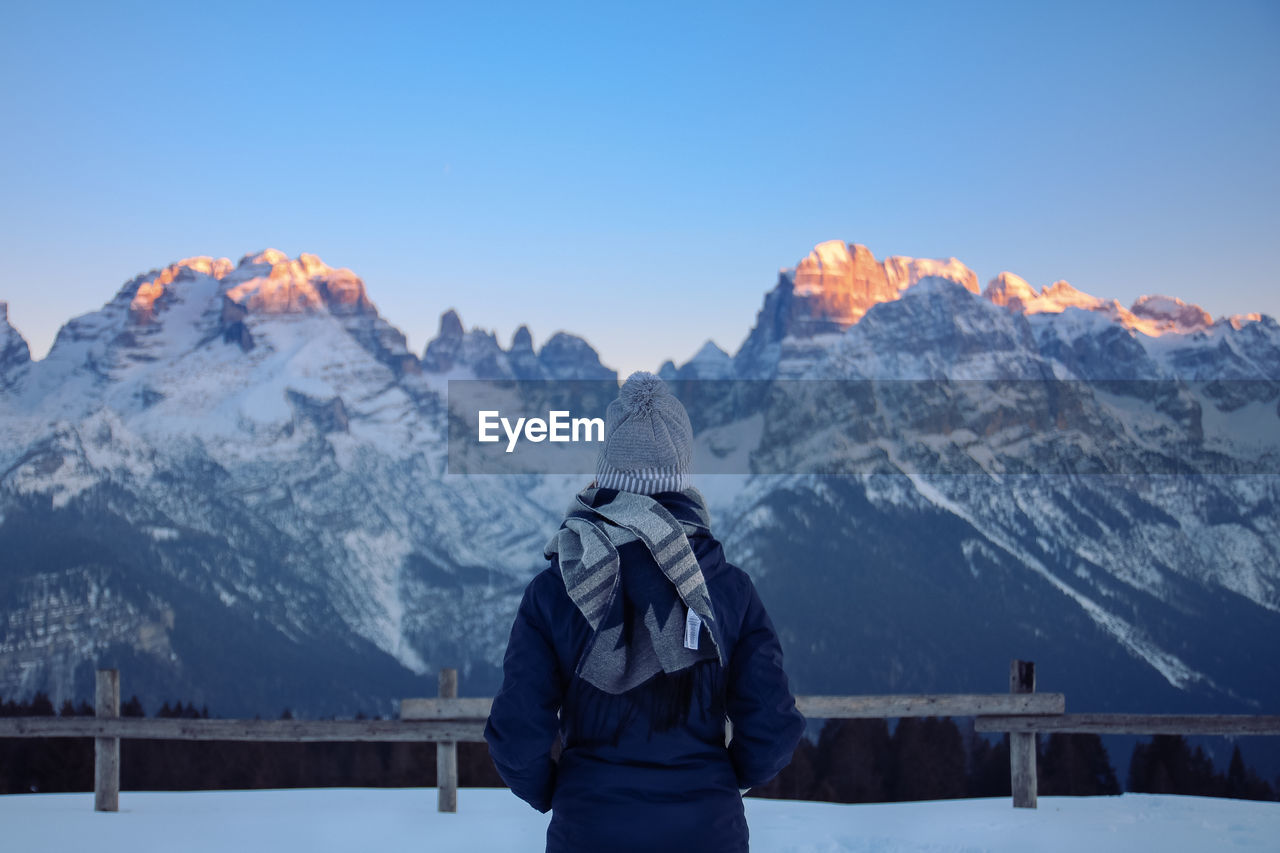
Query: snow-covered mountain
x=945, y=478
x=232, y=481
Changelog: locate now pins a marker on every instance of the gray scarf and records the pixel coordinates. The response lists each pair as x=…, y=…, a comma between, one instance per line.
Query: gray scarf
x=674, y=604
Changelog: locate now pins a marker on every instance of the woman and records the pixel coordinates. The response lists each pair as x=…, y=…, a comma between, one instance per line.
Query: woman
x=634, y=646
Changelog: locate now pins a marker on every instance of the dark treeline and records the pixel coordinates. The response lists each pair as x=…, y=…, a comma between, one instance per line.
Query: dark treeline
x=66, y=764
x=861, y=761
x=1167, y=765
x=853, y=761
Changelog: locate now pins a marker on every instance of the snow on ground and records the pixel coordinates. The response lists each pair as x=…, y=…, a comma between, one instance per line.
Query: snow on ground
x=493, y=821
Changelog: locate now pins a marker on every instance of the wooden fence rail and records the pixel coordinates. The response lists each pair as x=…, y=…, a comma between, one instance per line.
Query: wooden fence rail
x=149, y=728
x=1135, y=724
x=939, y=705
x=448, y=720
x=818, y=707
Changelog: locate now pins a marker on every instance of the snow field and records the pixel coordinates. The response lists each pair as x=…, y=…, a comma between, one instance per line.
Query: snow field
x=494, y=821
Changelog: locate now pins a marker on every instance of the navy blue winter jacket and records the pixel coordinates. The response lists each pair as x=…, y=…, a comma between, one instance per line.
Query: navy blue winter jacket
x=636, y=788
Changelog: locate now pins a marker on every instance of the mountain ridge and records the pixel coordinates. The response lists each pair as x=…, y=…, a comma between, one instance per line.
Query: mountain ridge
x=834, y=286
x=251, y=449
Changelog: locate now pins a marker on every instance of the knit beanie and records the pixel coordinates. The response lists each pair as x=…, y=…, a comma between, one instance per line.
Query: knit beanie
x=648, y=441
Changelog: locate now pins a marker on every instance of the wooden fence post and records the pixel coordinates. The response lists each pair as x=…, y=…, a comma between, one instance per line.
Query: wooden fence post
x=106, y=750
x=447, y=751
x=1022, y=745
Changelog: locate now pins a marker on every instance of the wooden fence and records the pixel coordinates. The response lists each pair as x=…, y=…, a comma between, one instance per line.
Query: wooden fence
x=448, y=720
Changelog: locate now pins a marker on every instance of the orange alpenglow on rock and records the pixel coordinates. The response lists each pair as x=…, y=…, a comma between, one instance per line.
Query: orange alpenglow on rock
x=1151, y=315
x=287, y=286
x=298, y=286
x=142, y=308
x=840, y=282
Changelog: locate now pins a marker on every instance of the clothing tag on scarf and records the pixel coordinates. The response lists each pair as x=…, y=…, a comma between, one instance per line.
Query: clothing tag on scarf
x=692, y=624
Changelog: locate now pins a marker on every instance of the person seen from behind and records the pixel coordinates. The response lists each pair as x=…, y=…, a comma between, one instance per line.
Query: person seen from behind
x=634, y=646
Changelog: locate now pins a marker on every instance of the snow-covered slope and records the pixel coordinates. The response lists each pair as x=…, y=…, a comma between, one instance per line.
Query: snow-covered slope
x=494, y=821
x=228, y=451
x=1080, y=481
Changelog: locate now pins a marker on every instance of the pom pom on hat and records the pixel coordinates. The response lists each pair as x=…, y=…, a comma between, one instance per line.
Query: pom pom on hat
x=640, y=392
x=648, y=440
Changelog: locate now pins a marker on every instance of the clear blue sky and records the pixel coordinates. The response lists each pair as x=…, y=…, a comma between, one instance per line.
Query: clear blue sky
x=637, y=172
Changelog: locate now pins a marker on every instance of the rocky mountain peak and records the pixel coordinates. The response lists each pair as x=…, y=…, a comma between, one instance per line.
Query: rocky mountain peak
x=566, y=356
x=1010, y=291
x=830, y=290
x=7, y=331
x=522, y=340
x=14, y=352
x=270, y=282
x=476, y=353
x=1168, y=313
x=1239, y=321
x=151, y=291
x=711, y=353
x=446, y=348
x=270, y=257
x=1013, y=292
x=1063, y=295
x=1151, y=315
x=709, y=362
x=450, y=326
x=903, y=272
x=837, y=282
